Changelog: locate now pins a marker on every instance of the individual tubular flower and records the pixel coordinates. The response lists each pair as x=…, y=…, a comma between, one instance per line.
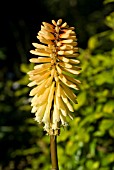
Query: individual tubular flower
x=54, y=75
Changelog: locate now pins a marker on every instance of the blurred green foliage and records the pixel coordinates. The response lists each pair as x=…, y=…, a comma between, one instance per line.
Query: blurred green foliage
x=88, y=142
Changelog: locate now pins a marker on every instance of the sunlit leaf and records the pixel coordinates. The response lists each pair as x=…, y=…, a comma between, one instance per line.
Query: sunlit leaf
x=108, y=1
x=109, y=106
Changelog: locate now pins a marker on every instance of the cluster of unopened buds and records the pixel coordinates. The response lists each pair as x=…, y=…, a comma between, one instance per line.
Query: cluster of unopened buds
x=54, y=75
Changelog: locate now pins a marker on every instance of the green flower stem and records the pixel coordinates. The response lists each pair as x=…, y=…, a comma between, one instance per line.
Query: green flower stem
x=53, y=148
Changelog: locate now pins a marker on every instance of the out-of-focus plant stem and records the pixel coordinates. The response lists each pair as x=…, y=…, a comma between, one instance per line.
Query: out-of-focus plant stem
x=53, y=149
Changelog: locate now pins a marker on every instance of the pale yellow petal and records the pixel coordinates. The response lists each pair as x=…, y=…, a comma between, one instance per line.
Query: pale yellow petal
x=64, y=59
x=65, y=65
x=66, y=101
x=54, y=125
x=39, y=53
x=33, y=83
x=68, y=83
x=59, y=22
x=59, y=43
x=73, y=61
x=43, y=98
x=40, y=60
x=64, y=25
x=74, y=55
x=76, y=49
x=63, y=107
x=71, y=28
x=56, y=113
x=49, y=81
x=47, y=28
x=69, y=52
x=39, y=45
x=67, y=31
x=46, y=35
x=47, y=127
x=40, y=113
x=58, y=89
x=70, y=46
x=72, y=33
x=34, y=101
x=73, y=37
x=63, y=120
x=70, y=115
x=72, y=79
x=46, y=117
x=69, y=93
x=57, y=29
x=38, y=90
x=64, y=35
x=34, y=109
x=43, y=66
x=60, y=52
x=67, y=41
x=66, y=47
x=73, y=70
x=74, y=43
x=60, y=104
x=59, y=70
x=45, y=41
x=47, y=24
x=36, y=76
x=38, y=70
x=63, y=47
x=54, y=23
x=42, y=76
x=56, y=76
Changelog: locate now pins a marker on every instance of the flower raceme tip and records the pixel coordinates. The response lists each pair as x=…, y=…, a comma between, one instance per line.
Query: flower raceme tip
x=54, y=75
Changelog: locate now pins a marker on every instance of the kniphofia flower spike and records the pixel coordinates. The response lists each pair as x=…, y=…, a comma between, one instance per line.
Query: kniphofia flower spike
x=54, y=75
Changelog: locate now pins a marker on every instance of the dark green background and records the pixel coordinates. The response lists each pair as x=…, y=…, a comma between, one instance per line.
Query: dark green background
x=87, y=143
